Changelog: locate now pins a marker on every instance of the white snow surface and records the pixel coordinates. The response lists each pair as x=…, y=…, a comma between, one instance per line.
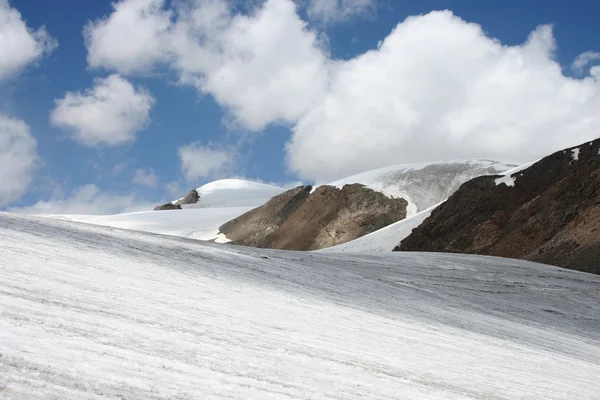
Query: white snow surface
x=235, y=193
x=575, y=153
x=91, y=312
x=220, y=202
x=508, y=180
x=423, y=185
x=509, y=177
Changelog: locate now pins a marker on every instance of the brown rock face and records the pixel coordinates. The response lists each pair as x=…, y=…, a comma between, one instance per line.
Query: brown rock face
x=299, y=220
x=550, y=215
x=168, y=206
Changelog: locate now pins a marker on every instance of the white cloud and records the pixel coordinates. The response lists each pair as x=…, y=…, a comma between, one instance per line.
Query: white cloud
x=338, y=10
x=264, y=67
x=174, y=189
x=111, y=113
x=199, y=161
x=19, y=44
x=257, y=65
x=89, y=200
x=438, y=88
x=145, y=177
x=18, y=159
x=131, y=39
x=585, y=59
x=118, y=169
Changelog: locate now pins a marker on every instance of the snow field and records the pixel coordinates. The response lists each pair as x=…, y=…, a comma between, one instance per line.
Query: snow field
x=94, y=312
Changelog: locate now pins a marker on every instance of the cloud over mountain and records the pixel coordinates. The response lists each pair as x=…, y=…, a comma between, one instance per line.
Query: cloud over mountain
x=437, y=87
x=200, y=161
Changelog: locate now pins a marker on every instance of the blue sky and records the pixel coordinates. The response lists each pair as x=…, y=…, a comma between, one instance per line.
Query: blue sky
x=283, y=93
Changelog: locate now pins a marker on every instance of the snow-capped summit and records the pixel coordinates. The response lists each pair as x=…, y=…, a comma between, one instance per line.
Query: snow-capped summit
x=234, y=193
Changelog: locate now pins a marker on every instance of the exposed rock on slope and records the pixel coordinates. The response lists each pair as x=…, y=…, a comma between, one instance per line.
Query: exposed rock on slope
x=191, y=198
x=168, y=206
x=548, y=212
x=301, y=220
x=424, y=184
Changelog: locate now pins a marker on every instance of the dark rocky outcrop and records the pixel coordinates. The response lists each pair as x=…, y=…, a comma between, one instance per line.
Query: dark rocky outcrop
x=550, y=215
x=167, y=206
x=301, y=220
x=191, y=198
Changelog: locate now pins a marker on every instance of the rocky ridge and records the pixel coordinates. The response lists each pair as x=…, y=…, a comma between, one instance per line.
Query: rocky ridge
x=548, y=212
x=301, y=220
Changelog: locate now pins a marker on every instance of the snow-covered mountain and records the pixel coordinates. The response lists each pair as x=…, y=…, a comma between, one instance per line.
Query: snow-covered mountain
x=95, y=312
x=424, y=184
x=396, y=200
x=546, y=211
x=234, y=193
x=220, y=201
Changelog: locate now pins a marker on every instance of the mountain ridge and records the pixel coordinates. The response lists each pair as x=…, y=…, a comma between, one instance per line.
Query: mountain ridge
x=547, y=211
x=345, y=216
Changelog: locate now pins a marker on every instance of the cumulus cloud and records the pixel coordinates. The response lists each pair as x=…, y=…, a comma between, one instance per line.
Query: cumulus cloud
x=131, y=39
x=19, y=44
x=585, y=59
x=145, y=177
x=338, y=10
x=111, y=113
x=18, y=159
x=436, y=88
x=88, y=200
x=198, y=161
x=257, y=66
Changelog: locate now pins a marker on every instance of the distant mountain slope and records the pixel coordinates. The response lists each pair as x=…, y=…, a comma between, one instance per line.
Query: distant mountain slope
x=384, y=239
x=220, y=201
x=308, y=218
x=423, y=185
x=301, y=220
x=548, y=211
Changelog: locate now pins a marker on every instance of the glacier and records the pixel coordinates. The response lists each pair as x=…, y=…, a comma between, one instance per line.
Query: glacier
x=90, y=312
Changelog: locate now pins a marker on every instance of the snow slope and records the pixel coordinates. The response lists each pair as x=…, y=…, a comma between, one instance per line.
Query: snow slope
x=220, y=202
x=90, y=312
x=384, y=239
x=234, y=193
x=424, y=184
